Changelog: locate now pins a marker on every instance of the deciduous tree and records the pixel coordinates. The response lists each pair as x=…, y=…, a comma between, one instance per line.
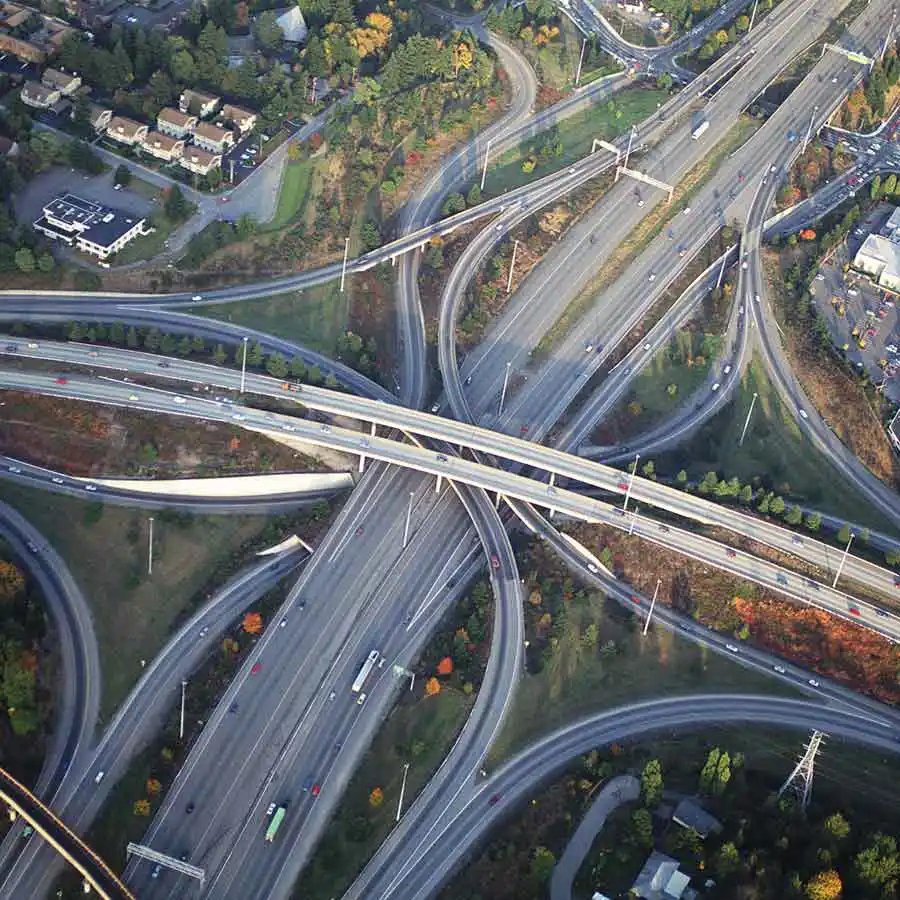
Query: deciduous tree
x=252, y=623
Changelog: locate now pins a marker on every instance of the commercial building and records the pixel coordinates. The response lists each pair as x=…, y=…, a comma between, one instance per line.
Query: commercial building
x=127, y=131
x=39, y=97
x=163, y=146
x=879, y=255
x=210, y=137
x=199, y=161
x=175, y=123
x=244, y=120
x=198, y=104
x=89, y=226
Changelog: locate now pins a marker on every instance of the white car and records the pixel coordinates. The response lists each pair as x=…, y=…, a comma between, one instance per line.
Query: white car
x=270, y=809
x=15, y=470
x=803, y=414
x=715, y=387
x=647, y=346
x=57, y=480
x=360, y=699
x=820, y=277
x=592, y=568
x=756, y=297
x=726, y=370
x=651, y=276
x=282, y=623
x=732, y=648
x=687, y=211
x=588, y=348
x=178, y=400
x=813, y=682
x=90, y=487
x=779, y=669
x=197, y=297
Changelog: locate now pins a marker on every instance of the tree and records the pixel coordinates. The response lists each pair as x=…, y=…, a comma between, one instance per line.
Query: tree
x=445, y=666
x=219, y=355
x=542, y=863
x=836, y=827
x=824, y=886
x=276, y=365
x=432, y=687
x=681, y=478
x=814, y=522
x=141, y=807
x=727, y=860
x=473, y=198
x=892, y=557
x=878, y=865
x=252, y=623
x=153, y=787
x=269, y=34
x=794, y=516
x=25, y=261
x=46, y=263
x=652, y=783
x=176, y=207
x=843, y=535
x=11, y=580
x=184, y=347
x=642, y=829
x=376, y=797
x=123, y=174
x=297, y=368
x=131, y=338
x=455, y=203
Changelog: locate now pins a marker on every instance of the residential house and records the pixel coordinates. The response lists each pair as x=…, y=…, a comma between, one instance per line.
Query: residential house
x=198, y=104
x=28, y=34
x=89, y=226
x=37, y=96
x=8, y=147
x=127, y=131
x=293, y=25
x=242, y=119
x=199, y=161
x=175, y=123
x=660, y=879
x=691, y=815
x=99, y=117
x=210, y=137
x=163, y=146
x=65, y=83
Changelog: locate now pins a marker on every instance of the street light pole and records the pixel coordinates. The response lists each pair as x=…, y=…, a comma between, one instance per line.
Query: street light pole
x=652, y=604
x=408, y=517
x=843, y=560
x=581, y=60
x=150, y=549
x=747, y=420
x=181, y=723
x=503, y=389
x=722, y=270
x=244, y=366
x=637, y=456
x=809, y=129
x=752, y=17
x=402, y=791
x=628, y=149
x=487, y=152
x=512, y=264
x=344, y=266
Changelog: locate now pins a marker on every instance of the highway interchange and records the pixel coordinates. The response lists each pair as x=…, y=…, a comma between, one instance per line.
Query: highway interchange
x=369, y=577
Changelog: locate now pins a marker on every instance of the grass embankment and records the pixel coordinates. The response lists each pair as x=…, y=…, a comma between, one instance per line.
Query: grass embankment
x=105, y=547
x=575, y=134
x=314, y=317
x=637, y=241
x=774, y=450
x=295, y=193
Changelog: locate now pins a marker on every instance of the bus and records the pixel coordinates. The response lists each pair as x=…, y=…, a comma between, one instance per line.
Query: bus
x=275, y=824
x=367, y=667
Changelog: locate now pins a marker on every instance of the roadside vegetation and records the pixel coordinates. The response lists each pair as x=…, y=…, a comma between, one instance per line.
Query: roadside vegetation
x=845, y=846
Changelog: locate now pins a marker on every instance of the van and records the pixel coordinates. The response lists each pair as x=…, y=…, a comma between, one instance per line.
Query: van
x=99, y=777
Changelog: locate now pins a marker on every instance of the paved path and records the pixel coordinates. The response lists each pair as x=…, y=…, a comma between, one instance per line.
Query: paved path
x=618, y=790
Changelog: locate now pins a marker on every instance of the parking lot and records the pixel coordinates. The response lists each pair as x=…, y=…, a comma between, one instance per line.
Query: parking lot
x=861, y=318
x=162, y=15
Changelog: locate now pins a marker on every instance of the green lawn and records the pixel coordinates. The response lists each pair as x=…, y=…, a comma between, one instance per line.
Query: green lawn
x=418, y=732
x=295, y=189
x=105, y=548
x=773, y=449
x=151, y=245
x=576, y=134
x=315, y=316
x=577, y=679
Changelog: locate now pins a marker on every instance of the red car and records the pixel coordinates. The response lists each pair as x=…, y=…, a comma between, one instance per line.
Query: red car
x=853, y=611
x=360, y=530
x=622, y=486
x=636, y=599
x=523, y=429
x=316, y=788
x=495, y=562
x=62, y=380
x=731, y=553
x=257, y=667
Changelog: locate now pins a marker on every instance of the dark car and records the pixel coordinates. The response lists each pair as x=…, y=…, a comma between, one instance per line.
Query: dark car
x=164, y=365
x=189, y=808
x=494, y=799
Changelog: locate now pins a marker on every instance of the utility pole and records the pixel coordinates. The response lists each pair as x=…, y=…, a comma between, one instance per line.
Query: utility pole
x=801, y=779
x=637, y=456
x=150, y=549
x=503, y=390
x=747, y=420
x=512, y=263
x=890, y=31
x=722, y=270
x=628, y=149
x=652, y=604
x=580, y=61
x=344, y=266
x=487, y=151
x=408, y=517
x=752, y=17
x=402, y=791
x=840, y=567
x=181, y=722
x=244, y=366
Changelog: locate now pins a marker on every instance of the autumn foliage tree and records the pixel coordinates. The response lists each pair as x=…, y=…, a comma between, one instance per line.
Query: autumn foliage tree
x=376, y=797
x=445, y=666
x=432, y=687
x=11, y=580
x=253, y=623
x=153, y=786
x=826, y=885
x=141, y=807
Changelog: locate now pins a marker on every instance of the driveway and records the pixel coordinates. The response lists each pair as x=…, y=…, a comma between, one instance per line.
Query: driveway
x=618, y=790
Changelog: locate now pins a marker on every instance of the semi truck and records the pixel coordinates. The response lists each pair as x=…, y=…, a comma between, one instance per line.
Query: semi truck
x=699, y=128
x=275, y=824
x=364, y=672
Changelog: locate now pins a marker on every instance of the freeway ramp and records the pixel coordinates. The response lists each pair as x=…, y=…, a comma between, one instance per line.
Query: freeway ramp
x=242, y=487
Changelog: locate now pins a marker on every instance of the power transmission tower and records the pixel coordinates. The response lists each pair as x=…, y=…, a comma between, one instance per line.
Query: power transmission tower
x=801, y=779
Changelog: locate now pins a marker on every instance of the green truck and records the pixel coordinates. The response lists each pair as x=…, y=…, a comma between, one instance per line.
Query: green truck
x=275, y=824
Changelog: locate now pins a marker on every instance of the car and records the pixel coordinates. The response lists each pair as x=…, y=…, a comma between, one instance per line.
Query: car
x=686, y=211
x=325, y=428
x=647, y=346
x=854, y=611
x=61, y=380
x=726, y=370
x=57, y=480
x=820, y=277
x=316, y=790
x=592, y=568
x=197, y=297
x=834, y=79
x=381, y=662
x=233, y=708
x=796, y=539
x=731, y=648
x=360, y=699
x=756, y=298
x=853, y=292
x=332, y=695
x=178, y=400
x=772, y=168
x=189, y=808
x=257, y=668
x=813, y=683
x=730, y=553
x=204, y=631
x=495, y=563
x=682, y=252
x=635, y=599
x=11, y=348
x=663, y=528
x=715, y=387
x=163, y=364
x=364, y=443
x=282, y=623
x=15, y=470
x=779, y=669
x=360, y=530
x=435, y=407
x=442, y=457
x=640, y=203
x=523, y=430
x=156, y=870
x=741, y=310
x=133, y=397
x=791, y=136
x=781, y=578
x=651, y=276
x=308, y=783
x=803, y=414
x=118, y=187
x=588, y=347
x=468, y=380
x=499, y=227
x=301, y=605
x=185, y=856
x=286, y=427
x=238, y=417
x=495, y=798
x=270, y=809
x=99, y=777
x=90, y=487
x=881, y=613
x=744, y=263
x=741, y=178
